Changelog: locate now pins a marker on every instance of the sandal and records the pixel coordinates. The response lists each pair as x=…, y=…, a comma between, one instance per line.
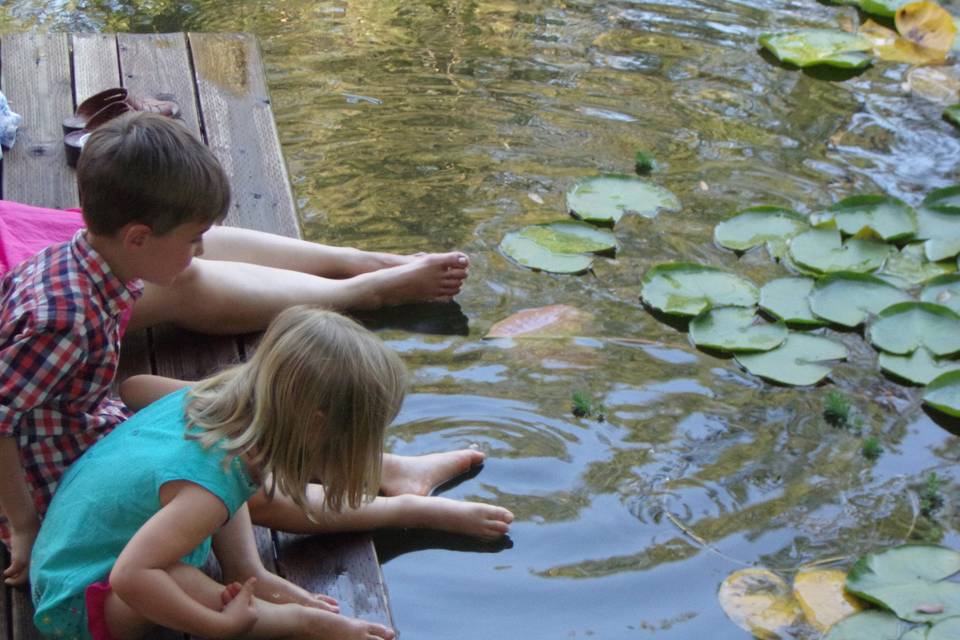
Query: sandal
x=73, y=142
x=96, y=103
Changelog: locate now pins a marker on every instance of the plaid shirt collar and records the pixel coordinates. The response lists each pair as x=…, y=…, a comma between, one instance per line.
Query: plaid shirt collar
x=117, y=296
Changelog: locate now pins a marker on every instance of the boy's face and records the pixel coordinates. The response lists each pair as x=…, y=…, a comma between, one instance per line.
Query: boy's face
x=167, y=256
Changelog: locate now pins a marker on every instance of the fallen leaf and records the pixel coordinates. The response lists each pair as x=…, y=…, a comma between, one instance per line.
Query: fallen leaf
x=929, y=26
x=556, y=320
x=822, y=597
x=759, y=602
x=888, y=45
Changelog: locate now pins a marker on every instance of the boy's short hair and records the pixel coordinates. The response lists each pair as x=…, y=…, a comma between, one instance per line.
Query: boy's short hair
x=147, y=168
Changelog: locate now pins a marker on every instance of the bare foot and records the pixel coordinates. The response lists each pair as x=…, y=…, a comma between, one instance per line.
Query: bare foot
x=484, y=521
x=422, y=474
x=434, y=277
x=331, y=626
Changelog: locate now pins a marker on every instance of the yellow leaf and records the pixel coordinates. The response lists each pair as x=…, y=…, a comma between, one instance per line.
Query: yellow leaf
x=760, y=602
x=822, y=597
x=929, y=26
x=889, y=46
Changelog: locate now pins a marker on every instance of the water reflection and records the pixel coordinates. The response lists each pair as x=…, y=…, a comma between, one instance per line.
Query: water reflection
x=421, y=125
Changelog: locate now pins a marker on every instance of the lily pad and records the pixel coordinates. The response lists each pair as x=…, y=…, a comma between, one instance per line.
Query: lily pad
x=908, y=580
x=759, y=602
x=798, y=361
x=571, y=236
x=849, y=298
x=555, y=320
x=903, y=328
x=822, y=250
x=920, y=367
x=917, y=633
x=532, y=254
x=808, y=47
x=952, y=114
x=822, y=597
x=892, y=219
x=911, y=264
x=886, y=8
x=943, y=290
x=872, y=625
x=938, y=223
x=685, y=289
x=759, y=225
x=945, y=198
x=786, y=299
x=735, y=329
x=943, y=393
x=948, y=629
x=605, y=199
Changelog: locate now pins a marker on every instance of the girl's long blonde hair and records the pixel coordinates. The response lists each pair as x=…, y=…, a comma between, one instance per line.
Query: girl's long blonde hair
x=311, y=404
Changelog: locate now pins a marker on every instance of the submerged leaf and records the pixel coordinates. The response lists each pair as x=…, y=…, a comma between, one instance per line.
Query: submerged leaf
x=532, y=254
x=550, y=321
x=808, y=47
x=903, y=328
x=686, y=289
x=849, y=298
x=571, y=236
x=786, y=299
x=939, y=84
x=759, y=602
x=735, y=329
x=798, y=361
x=605, y=199
x=911, y=265
x=822, y=597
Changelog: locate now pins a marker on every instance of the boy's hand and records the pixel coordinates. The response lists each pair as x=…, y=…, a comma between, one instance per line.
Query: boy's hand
x=240, y=610
x=21, y=544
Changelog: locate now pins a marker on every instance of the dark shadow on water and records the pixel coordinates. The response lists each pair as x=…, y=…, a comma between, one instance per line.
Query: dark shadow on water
x=679, y=323
x=455, y=481
x=943, y=420
x=392, y=543
x=445, y=319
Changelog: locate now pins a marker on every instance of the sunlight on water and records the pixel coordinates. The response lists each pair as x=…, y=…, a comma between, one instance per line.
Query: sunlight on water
x=411, y=126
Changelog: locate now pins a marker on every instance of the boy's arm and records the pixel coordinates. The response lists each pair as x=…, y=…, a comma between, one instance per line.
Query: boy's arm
x=139, y=391
x=30, y=369
x=239, y=558
x=17, y=505
x=141, y=575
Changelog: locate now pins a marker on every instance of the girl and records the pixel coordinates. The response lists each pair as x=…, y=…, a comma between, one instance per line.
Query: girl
x=135, y=516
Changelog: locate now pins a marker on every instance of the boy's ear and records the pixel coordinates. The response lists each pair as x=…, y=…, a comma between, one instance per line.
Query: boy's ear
x=134, y=235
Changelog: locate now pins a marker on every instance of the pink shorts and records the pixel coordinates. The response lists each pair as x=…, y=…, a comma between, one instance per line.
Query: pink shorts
x=96, y=598
x=26, y=230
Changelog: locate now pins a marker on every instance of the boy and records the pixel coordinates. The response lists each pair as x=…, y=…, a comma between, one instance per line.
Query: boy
x=150, y=191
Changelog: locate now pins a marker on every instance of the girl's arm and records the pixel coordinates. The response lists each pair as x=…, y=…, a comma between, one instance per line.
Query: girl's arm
x=236, y=551
x=139, y=391
x=140, y=578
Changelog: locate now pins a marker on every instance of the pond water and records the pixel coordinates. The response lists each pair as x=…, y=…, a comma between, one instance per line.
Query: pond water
x=413, y=126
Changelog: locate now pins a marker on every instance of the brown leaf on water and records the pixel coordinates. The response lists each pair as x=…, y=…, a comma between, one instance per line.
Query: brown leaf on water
x=889, y=46
x=929, y=26
x=822, y=597
x=759, y=601
x=556, y=320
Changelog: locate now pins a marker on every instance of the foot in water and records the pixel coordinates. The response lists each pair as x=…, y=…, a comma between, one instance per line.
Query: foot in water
x=434, y=277
x=420, y=475
x=484, y=521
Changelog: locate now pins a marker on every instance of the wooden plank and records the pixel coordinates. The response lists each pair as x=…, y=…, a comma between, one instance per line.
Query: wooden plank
x=95, y=64
x=21, y=615
x=36, y=80
x=344, y=566
x=239, y=126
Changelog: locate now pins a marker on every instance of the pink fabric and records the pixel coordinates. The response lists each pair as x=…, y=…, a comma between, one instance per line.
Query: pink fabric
x=26, y=230
x=96, y=598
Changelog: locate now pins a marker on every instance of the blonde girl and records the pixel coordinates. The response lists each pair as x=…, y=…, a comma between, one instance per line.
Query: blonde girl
x=134, y=518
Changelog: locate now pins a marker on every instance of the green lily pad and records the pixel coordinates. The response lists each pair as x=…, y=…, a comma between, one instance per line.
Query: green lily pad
x=866, y=625
x=808, y=47
x=886, y=8
x=530, y=253
x=938, y=223
x=903, y=328
x=944, y=198
x=920, y=367
x=943, y=290
x=685, y=289
x=798, y=361
x=892, y=219
x=911, y=264
x=735, y=329
x=952, y=114
x=822, y=250
x=943, y=393
x=917, y=633
x=848, y=298
x=786, y=299
x=759, y=225
x=571, y=236
x=948, y=629
x=908, y=580
x=605, y=199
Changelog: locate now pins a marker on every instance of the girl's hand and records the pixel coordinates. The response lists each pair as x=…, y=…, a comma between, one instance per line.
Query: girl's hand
x=240, y=609
x=273, y=588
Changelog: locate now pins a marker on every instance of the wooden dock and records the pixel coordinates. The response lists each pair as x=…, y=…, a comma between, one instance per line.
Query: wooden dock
x=219, y=81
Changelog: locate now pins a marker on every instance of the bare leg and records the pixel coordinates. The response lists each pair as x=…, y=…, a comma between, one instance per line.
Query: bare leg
x=273, y=621
x=221, y=297
x=483, y=521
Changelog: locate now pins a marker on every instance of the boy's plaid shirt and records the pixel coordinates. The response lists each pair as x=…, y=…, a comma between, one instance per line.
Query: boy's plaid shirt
x=59, y=346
